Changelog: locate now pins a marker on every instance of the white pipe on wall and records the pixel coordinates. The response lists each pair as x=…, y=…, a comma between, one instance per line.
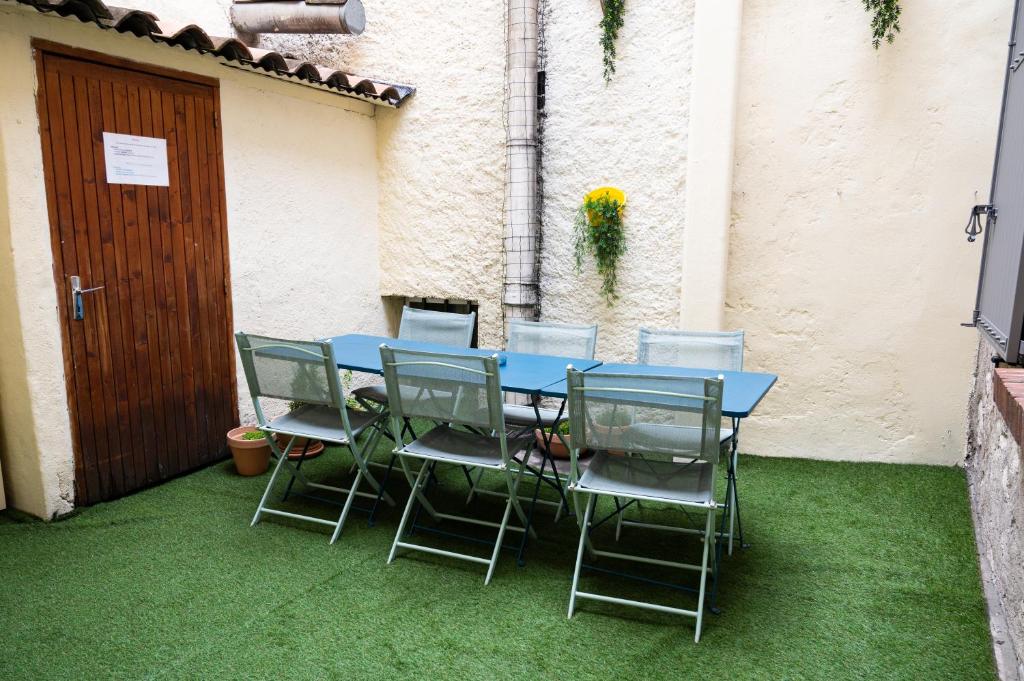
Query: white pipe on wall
x=521, y=229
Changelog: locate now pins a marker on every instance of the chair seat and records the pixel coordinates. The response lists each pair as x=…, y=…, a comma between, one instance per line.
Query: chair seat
x=372, y=393
x=726, y=435
x=321, y=423
x=632, y=476
x=523, y=415
x=444, y=443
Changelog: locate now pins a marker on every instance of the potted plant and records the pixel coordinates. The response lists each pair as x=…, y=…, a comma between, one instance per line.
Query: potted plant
x=561, y=441
x=598, y=230
x=312, y=448
x=249, y=449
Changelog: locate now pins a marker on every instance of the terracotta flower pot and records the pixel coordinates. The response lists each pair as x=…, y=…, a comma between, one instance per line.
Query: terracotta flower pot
x=252, y=457
x=316, y=447
x=557, y=447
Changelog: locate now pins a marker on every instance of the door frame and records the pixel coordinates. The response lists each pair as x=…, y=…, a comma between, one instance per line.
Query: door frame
x=40, y=48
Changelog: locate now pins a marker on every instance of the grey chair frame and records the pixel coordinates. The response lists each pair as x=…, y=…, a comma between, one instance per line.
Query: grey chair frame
x=349, y=439
x=523, y=416
x=734, y=341
x=410, y=328
x=415, y=325
x=511, y=471
x=712, y=410
x=518, y=327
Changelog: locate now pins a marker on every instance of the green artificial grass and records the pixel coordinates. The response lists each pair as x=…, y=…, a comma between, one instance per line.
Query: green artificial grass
x=857, y=571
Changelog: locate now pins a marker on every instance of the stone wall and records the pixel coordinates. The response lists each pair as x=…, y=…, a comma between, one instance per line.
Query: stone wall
x=997, y=496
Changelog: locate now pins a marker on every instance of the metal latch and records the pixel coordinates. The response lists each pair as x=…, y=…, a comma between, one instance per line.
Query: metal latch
x=973, y=228
x=78, y=310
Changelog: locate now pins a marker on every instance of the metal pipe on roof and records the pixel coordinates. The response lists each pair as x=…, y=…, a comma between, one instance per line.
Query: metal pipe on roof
x=343, y=16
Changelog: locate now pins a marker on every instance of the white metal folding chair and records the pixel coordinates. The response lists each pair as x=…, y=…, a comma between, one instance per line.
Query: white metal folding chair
x=462, y=395
x=546, y=338
x=673, y=438
x=715, y=350
x=306, y=372
x=543, y=338
x=428, y=326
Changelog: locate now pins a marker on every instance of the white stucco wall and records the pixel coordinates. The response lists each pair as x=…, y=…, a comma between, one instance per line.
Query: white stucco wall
x=630, y=134
x=848, y=267
x=302, y=183
x=442, y=156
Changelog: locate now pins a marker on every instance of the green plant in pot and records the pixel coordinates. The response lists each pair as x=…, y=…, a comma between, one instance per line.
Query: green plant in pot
x=598, y=231
x=559, y=439
x=249, y=450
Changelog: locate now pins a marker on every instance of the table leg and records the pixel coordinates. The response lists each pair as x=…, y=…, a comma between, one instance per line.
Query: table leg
x=546, y=459
x=732, y=494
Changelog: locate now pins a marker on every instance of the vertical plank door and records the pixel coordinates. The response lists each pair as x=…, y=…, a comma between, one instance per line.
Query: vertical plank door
x=149, y=364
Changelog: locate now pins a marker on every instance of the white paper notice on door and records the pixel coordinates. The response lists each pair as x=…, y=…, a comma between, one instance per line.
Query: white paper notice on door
x=135, y=160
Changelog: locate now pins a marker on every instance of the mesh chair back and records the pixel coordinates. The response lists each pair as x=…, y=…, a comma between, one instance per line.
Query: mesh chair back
x=462, y=389
x=543, y=338
x=718, y=350
x=300, y=371
x=674, y=416
x=429, y=326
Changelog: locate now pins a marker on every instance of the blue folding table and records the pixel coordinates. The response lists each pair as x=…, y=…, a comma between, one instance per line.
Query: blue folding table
x=522, y=373
x=544, y=376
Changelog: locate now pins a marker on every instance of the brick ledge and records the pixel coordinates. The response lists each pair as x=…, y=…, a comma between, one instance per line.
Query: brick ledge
x=1008, y=394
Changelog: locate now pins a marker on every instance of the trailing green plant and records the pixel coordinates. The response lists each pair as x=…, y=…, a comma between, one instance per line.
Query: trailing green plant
x=254, y=435
x=611, y=22
x=885, y=20
x=598, y=230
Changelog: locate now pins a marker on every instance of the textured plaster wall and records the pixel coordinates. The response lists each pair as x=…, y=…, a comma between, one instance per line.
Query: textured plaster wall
x=302, y=201
x=631, y=134
x=848, y=266
x=37, y=459
x=994, y=473
x=442, y=155
x=302, y=194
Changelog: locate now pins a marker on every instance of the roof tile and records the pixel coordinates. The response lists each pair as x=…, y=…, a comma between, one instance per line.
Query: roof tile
x=192, y=37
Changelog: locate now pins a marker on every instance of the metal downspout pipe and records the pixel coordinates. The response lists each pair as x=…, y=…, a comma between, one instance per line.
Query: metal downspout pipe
x=521, y=228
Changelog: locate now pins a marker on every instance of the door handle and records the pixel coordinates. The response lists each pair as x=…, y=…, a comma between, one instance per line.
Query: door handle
x=76, y=296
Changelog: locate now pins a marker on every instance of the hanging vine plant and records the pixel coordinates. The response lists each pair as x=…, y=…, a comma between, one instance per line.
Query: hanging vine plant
x=885, y=20
x=598, y=231
x=611, y=22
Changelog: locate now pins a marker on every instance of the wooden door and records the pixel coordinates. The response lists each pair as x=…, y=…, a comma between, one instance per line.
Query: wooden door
x=150, y=365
